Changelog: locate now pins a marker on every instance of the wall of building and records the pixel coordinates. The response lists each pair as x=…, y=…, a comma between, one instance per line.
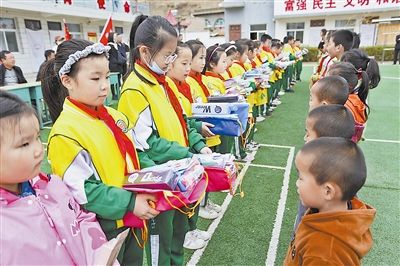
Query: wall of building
x=369, y=33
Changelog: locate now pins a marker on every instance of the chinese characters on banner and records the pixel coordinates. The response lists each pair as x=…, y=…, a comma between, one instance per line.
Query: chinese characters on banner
x=296, y=5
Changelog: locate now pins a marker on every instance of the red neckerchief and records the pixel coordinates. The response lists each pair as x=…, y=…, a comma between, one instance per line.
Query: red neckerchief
x=266, y=49
x=125, y=145
x=253, y=64
x=172, y=99
x=212, y=74
x=259, y=58
x=229, y=73
x=240, y=64
x=184, y=88
x=198, y=77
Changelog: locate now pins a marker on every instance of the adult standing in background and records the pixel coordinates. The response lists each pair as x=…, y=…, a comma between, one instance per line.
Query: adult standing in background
x=10, y=74
x=114, y=62
x=122, y=49
x=396, y=49
x=48, y=54
x=57, y=40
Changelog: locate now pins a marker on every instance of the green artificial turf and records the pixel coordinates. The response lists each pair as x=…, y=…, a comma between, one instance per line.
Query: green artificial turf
x=244, y=233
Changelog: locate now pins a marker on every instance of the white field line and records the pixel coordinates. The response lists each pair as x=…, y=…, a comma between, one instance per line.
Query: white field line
x=383, y=140
x=273, y=244
x=389, y=78
x=268, y=166
x=275, y=146
x=213, y=226
x=47, y=127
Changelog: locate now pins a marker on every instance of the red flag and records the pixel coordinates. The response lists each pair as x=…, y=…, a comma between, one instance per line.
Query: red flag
x=66, y=31
x=107, y=29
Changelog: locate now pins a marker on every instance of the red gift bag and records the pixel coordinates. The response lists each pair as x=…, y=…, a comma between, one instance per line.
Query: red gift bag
x=221, y=179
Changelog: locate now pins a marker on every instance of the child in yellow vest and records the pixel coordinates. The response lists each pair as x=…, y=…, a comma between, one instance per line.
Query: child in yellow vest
x=91, y=146
x=152, y=106
x=231, y=51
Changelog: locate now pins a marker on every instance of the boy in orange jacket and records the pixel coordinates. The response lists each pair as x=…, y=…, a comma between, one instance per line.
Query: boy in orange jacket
x=335, y=228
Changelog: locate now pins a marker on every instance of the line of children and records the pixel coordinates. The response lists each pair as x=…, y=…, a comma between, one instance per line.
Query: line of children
x=153, y=107
x=94, y=174
x=38, y=212
x=336, y=227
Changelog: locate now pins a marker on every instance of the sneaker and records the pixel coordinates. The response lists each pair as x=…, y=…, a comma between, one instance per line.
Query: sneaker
x=255, y=130
x=214, y=207
x=248, y=158
x=207, y=213
x=260, y=119
x=255, y=143
x=289, y=90
x=251, y=147
x=276, y=102
x=200, y=234
x=270, y=114
x=281, y=93
x=193, y=241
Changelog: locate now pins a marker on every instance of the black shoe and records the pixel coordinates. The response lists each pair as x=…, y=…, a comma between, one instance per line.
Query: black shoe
x=289, y=90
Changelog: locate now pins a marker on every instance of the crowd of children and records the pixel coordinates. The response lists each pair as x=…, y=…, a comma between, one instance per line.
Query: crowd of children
x=153, y=125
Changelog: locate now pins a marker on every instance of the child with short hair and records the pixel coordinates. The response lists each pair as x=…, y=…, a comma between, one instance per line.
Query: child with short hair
x=329, y=90
x=331, y=120
x=41, y=223
x=358, y=86
x=339, y=42
x=298, y=66
x=336, y=227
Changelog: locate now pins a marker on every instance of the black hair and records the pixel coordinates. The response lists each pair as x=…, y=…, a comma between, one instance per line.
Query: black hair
x=110, y=37
x=343, y=37
x=47, y=53
x=275, y=44
x=241, y=46
x=257, y=43
x=328, y=34
x=195, y=46
x=356, y=41
x=285, y=40
x=332, y=120
x=289, y=38
x=213, y=55
x=180, y=46
x=265, y=37
x=276, y=40
x=333, y=89
x=13, y=108
x=352, y=76
x=323, y=31
x=3, y=54
x=361, y=60
x=337, y=160
x=54, y=92
x=297, y=40
x=150, y=31
x=230, y=48
x=250, y=44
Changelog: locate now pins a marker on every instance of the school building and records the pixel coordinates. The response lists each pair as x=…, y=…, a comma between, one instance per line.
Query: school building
x=28, y=28
x=305, y=18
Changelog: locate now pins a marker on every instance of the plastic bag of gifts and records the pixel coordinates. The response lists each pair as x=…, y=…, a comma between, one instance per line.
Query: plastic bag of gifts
x=221, y=170
x=229, y=119
x=177, y=184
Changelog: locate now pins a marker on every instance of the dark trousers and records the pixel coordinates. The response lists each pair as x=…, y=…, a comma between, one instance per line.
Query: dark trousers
x=396, y=56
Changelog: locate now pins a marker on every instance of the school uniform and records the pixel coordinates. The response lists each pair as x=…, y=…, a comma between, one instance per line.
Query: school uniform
x=298, y=66
x=288, y=73
x=84, y=152
x=158, y=117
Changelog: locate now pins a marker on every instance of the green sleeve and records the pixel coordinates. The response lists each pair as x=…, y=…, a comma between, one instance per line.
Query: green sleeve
x=162, y=150
x=253, y=86
x=107, y=202
x=272, y=65
x=291, y=57
x=193, y=123
x=144, y=159
x=196, y=140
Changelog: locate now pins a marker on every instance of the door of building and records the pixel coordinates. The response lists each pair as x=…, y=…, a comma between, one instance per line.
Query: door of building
x=235, y=32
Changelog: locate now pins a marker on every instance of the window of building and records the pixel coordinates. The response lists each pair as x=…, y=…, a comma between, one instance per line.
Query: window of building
x=295, y=29
x=33, y=24
x=219, y=23
x=257, y=30
x=119, y=30
x=395, y=21
x=8, y=35
x=54, y=25
x=74, y=30
x=317, y=23
x=207, y=24
x=347, y=24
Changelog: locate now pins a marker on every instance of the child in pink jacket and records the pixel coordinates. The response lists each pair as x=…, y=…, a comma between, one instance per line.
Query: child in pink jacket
x=41, y=224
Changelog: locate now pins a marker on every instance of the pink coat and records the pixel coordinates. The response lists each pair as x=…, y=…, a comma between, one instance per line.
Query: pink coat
x=47, y=229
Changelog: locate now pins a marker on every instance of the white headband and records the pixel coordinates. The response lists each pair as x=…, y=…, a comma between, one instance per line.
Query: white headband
x=97, y=48
x=229, y=47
